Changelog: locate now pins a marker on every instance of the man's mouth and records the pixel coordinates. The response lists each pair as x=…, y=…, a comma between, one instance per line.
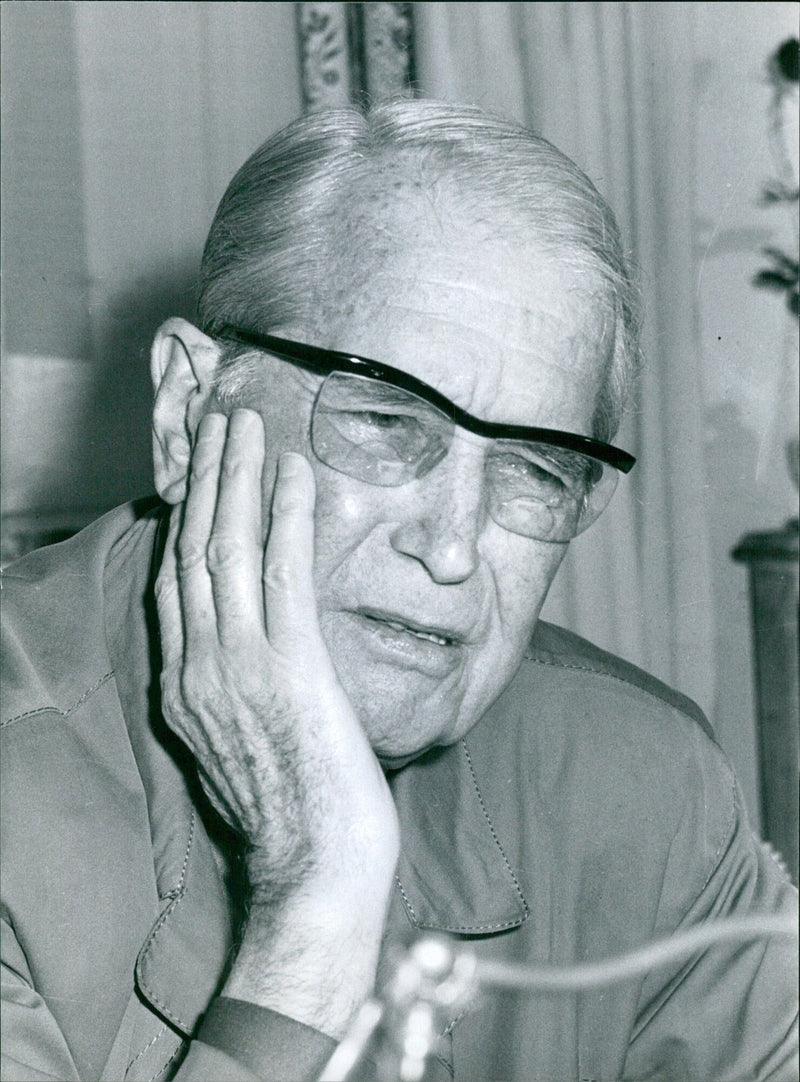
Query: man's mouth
x=392, y=638
x=430, y=633
x=440, y=640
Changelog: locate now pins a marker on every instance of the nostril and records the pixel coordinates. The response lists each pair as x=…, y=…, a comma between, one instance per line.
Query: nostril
x=447, y=556
x=444, y=516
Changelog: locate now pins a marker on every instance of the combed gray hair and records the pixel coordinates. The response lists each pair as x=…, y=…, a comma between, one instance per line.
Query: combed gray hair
x=277, y=257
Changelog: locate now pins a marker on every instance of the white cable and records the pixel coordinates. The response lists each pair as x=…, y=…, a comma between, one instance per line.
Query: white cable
x=572, y=978
x=635, y=963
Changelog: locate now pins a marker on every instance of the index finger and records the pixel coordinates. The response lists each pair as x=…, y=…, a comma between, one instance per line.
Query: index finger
x=167, y=594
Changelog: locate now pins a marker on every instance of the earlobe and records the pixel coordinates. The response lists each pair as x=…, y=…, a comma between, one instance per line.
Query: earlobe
x=182, y=365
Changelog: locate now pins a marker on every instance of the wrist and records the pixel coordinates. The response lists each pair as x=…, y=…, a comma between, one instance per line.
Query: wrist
x=353, y=868
x=312, y=957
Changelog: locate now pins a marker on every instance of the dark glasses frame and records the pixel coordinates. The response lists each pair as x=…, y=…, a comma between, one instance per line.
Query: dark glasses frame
x=326, y=361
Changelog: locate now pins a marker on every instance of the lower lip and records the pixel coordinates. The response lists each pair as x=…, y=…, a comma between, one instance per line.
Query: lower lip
x=407, y=650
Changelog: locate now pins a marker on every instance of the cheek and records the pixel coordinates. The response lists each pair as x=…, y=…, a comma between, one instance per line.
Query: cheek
x=523, y=570
x=345, y=514
x=521, y=576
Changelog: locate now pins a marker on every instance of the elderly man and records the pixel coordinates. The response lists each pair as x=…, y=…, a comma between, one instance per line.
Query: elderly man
x=257, y=733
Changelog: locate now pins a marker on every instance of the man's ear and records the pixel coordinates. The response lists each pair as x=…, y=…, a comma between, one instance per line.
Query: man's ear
x=182, y=364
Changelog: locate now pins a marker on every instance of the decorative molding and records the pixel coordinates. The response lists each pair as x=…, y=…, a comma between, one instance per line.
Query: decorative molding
x=355, y=52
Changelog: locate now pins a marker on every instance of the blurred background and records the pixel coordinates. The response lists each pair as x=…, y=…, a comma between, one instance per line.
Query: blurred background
x=122, y=124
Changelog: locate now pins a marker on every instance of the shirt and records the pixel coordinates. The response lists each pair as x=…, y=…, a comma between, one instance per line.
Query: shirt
x=588, y=812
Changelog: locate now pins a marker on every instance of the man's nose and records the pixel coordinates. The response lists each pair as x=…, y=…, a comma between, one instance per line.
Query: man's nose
x=446, y=517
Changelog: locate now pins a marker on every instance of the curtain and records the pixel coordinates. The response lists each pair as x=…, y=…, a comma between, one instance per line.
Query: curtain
x=122, y=125
x=611, y=85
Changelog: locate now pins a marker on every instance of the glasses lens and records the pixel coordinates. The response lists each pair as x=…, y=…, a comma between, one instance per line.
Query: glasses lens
x=376, y=432
x=546, y=492
x=383, y=435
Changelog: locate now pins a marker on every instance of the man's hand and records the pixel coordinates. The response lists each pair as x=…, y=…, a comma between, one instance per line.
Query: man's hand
x=248, y=684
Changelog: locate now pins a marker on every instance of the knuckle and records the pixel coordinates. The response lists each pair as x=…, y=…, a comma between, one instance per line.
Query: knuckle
x=165, y=589
x=278, y=576
x=223, y=553
x=234, y=464
x=211, y=430
x=175, y=710
x=196, y=695
x=170, y=692
x=190, y=554
x=203, y=463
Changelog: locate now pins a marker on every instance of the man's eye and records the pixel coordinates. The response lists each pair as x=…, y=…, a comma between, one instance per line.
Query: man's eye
x=527, y=469
x=529, y=474
x=373, y=424
x=387, y=422
x=389, y=436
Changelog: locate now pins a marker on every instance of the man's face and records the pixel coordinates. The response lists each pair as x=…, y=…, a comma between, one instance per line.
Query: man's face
x=425, y=603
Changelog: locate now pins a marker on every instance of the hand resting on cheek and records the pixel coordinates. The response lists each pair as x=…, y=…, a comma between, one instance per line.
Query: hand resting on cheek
x=247, y=683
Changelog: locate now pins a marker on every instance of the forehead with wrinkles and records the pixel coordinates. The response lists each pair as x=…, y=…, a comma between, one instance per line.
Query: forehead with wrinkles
x=496, y=301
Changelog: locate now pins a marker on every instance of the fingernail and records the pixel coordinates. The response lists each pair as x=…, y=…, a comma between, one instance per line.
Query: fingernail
x=212, y=420
x=243, y=418
x=291, y=464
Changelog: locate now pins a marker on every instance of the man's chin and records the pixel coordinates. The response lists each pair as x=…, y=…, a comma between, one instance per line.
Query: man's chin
x=399, y=745
x=395, y=750
x=401, y=719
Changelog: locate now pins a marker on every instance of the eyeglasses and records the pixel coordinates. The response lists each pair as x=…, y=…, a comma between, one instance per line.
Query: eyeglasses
x=384, y=427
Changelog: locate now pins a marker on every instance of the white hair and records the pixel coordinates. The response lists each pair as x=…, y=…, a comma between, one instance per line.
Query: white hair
x=276, y=254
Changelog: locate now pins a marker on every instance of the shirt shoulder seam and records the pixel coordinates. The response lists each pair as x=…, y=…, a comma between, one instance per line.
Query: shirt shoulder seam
x=54, y=709
x=698, y=718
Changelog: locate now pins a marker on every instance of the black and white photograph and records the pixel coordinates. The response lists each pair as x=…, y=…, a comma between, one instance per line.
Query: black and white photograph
x=399, y=541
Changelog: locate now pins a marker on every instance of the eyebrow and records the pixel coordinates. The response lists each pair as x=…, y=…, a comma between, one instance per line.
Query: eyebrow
x=387, y=394
x=559, y=457
x=325, y=361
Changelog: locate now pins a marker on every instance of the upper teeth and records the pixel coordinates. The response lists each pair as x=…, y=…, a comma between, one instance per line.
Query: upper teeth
x=420, y=634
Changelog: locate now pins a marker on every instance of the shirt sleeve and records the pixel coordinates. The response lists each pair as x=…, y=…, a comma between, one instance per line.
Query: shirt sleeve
x=730, y=1012
x=242, y=1042
x=236, y=1042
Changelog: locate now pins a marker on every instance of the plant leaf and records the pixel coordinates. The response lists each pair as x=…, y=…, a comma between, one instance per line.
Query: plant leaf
x=767, y=279
x=775, y=191
x=781, y=260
